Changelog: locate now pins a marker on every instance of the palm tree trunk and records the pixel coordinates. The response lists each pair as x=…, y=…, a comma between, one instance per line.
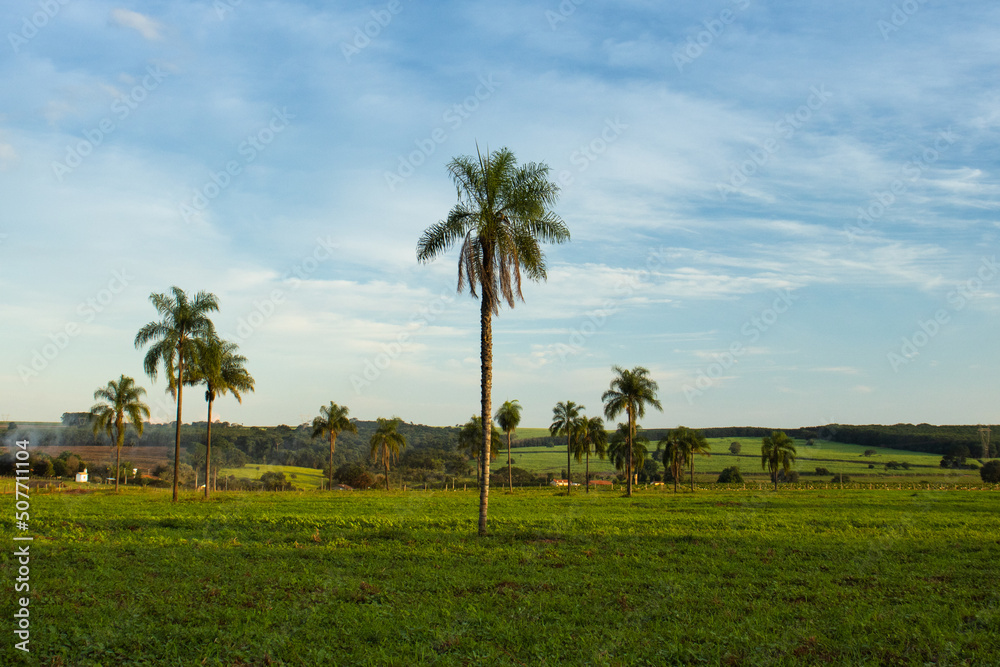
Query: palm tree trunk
x=692, y=473
x=486, y=354
x=385, y=460
x=587, y=475
x=569, y=451
x=208, y=450
x=332, y=438
x=120, y=437
x=510, y=478
x=631, y=437
x=177, y=436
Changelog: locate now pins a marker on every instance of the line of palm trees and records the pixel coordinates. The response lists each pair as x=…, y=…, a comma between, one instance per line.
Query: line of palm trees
x=184, y=342
x=385, y=444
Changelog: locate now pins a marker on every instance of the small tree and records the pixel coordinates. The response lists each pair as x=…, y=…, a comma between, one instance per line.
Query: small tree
x=990, y=472
x=777, y=452
x=730, y=475
x=386, y=443
x=735, y=448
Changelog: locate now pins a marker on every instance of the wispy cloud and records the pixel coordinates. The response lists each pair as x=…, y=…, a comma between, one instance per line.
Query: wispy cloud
x=144, y=25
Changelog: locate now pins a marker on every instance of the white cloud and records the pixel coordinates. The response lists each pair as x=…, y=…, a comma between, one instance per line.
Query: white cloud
x=144, y=25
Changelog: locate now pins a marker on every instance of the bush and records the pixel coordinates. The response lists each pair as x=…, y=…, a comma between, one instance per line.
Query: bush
x=822, y=471
x=730, y=475
x=735, y=447
x=990, y=472
x=837, y=479
x=791, y=476
x=354, y=475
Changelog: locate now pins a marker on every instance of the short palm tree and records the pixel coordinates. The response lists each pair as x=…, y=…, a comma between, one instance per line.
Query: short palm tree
x=120, y=401
x=621, y=455
x=566, y=421
x=332, y=421
x=507, y=418
x=502, y=215
x=222, y=371
x=630, y=392
x=386, y=443
x=777, y=451
x=674, y=455
x=469, y=439
x=183, y=322
x=593, y=439
x=691, y=443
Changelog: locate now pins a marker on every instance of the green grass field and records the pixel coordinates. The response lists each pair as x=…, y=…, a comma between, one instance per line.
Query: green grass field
x=304, y=478
x=716, y=577
x=835, y=457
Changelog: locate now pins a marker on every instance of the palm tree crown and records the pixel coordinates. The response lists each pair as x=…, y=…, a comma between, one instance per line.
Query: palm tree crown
x=630, y=392
x=332, y=421
x=502, y=215
x=183, y=322
x=120, y=401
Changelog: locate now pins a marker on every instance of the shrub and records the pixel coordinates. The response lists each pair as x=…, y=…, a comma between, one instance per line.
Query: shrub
x=791, y=476
x=990, y=472
x=730, y=475
x=840, y=478
x=822, y=471
x=735, y=447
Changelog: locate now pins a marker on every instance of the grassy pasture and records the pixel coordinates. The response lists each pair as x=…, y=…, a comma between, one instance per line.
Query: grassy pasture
x=716, y=577
x=305, y=478
x=834, y=456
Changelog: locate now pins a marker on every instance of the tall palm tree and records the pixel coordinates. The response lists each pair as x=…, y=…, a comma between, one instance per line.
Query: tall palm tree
x=593, y=438
x=470, y=437
x=332, y=421
x=222, y=371
x=620, y=453
x=120, y=400
x=508, y=417
x=183, y=322
x=777, y=451
x=691, y=443
x=566, y=421
x=630, y=392
x=386, y=443
x=502, y=214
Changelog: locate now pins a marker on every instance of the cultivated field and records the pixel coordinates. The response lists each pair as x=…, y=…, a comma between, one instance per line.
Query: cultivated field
x=716, y=577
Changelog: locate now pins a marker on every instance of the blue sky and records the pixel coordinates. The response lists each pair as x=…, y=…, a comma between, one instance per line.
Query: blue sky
x=787, y=212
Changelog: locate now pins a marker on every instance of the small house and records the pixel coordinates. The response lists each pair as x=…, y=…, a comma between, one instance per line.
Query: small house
x=82, y=476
